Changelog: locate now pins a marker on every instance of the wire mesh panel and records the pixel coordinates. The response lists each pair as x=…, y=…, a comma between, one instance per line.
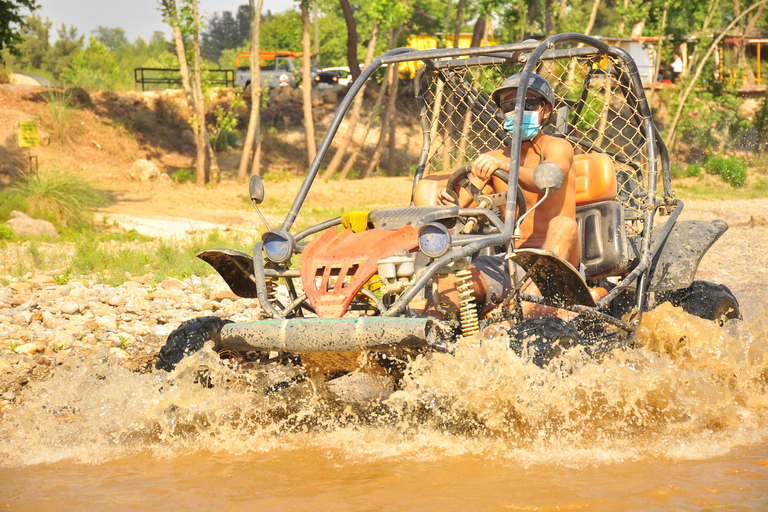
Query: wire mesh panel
x=595, y=109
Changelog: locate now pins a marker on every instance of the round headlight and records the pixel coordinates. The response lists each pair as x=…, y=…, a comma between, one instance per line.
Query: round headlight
x=279, y=246
x=434, y=240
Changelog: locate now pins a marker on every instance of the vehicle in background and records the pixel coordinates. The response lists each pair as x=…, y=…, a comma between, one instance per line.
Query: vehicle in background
x=274, y=66
x=336, y=75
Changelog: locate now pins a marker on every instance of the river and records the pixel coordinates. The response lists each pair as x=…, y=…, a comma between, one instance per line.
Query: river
x=671, y=426
x=679, y=423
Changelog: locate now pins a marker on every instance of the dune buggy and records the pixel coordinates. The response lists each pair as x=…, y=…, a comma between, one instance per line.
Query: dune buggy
x=360, y=299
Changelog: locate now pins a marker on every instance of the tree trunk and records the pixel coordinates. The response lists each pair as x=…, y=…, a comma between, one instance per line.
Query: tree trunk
x=252, y=135
x=592, y=17
x=743, y=48
x=349, y=18
x=671, y=136
x=622, y=25
x=169, y=7
x=392, y=113
x=655, y=76
x=306, y=85
x=549, y=19
x=446, y=24
x=197, y=90
x=374, y=112
x=459, y=19
x=533, y=11
x=317, y=38
x=355, y=114
x=373, y=163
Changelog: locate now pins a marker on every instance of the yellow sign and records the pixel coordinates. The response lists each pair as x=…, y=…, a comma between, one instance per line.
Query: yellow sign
x=28, y=134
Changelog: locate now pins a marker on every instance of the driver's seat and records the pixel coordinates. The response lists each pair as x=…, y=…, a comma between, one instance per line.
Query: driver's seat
x=599, y=216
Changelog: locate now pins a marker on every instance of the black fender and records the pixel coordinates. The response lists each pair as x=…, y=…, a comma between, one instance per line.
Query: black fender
x=235, y=267
x=676, y=263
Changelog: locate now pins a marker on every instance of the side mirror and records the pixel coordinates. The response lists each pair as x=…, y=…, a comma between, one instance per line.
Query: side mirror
x=548, y=177
x=256, y=189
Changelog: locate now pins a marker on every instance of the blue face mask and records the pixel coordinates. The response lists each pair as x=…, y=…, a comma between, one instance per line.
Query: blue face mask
x=530, y=123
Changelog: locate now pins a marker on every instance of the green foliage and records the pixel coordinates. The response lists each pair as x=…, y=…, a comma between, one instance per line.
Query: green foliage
x=6, y=232
x=761, y=186
x=11, y=200
x=711, y=121
x=34, y=47
x=61, y=104
x=731, y=170
x=115, y=263
x=65, y=49
x=225, y=31
x=68, y=196
x=183, y=176
x=224, y=131
x=95, y=68
x=12, y=21
x=693, y=170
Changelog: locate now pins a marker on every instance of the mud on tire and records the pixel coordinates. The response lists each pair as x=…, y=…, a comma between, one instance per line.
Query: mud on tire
x=545, y=337
x=187, y=339
x=705, y=300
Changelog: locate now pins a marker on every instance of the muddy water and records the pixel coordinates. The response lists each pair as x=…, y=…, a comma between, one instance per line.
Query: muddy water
x=680, y=423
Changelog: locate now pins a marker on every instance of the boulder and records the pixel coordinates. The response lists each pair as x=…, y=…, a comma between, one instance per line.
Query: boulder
x=144, y=171
x=25, y=226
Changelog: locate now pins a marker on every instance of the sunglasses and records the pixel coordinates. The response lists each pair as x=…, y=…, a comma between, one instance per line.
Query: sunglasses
x=529, y=104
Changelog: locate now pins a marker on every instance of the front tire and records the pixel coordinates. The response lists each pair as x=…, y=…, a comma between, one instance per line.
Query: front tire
x=187, y=339
x=543, y=338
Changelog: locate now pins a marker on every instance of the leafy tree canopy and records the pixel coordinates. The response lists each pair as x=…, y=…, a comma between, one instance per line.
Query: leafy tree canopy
x=12, y=21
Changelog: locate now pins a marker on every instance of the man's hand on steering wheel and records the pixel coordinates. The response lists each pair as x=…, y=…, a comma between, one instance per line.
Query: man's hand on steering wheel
x=484, y=166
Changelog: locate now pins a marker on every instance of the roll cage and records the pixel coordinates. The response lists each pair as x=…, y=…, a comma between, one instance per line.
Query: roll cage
x=596, y=83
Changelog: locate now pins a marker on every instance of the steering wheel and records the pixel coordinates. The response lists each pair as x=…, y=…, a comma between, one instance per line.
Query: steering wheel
x=460, y=178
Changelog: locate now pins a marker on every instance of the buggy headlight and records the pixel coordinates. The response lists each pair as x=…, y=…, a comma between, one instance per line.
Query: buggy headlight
x=434, y=240
x=278, y=245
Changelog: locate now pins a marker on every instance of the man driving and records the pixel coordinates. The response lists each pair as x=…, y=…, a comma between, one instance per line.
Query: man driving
x=552, y=226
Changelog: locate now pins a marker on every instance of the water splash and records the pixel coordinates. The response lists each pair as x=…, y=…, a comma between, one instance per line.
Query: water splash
x=689, y=390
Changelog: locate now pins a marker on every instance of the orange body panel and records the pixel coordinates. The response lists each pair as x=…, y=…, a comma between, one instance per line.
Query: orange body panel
x=351, y=259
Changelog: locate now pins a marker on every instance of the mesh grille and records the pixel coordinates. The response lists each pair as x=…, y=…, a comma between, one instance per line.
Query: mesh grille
x=595, y=109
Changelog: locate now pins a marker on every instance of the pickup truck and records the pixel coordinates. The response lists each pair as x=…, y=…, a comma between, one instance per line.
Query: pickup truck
x=274, y=65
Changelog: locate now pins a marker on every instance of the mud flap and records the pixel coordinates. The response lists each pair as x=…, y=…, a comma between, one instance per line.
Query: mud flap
x=235, y=267
x=676, y=263
x=556, y=279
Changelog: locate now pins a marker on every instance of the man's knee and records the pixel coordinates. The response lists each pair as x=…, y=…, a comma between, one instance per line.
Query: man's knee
x=563, y=228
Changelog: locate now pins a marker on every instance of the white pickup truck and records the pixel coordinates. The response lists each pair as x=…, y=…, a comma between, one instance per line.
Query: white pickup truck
x=274, y=66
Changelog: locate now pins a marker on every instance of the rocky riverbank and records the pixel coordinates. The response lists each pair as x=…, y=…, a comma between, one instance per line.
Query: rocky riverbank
x=42, y=324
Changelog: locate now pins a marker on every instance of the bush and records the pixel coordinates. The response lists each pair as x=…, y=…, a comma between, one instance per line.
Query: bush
x=677, y=172
x=11, y=200
x=183, y=176
x=67, y=196
x=693, y=170
x=6, y=232
x=731, y=170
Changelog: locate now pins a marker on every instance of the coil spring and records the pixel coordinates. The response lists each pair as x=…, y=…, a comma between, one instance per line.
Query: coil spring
x=467, y=309
x=272, y=291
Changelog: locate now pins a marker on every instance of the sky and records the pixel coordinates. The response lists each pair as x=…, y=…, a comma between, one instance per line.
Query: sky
x=139, y=18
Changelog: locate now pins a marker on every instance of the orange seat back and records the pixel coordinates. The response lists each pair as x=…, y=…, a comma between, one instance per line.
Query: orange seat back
x=595, y=178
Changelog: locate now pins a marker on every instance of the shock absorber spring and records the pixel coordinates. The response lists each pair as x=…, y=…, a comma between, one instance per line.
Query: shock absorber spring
x=467, y=308
x=272, y=291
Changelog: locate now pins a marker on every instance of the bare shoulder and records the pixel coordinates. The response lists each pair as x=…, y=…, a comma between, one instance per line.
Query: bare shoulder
x=558, y=147
x=559, y=151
